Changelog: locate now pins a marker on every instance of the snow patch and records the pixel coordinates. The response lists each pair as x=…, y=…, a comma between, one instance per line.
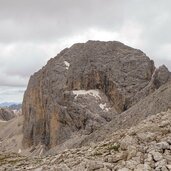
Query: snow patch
x=103, y=107
x=19, y=151
x=94, y=93
x=67, y=64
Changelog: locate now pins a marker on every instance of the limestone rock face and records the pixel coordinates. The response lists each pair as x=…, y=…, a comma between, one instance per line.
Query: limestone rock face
x=85, y=87
x=6, y=114
x=156, y=102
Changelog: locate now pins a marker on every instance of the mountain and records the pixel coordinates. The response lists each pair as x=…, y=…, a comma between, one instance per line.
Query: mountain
x=11, y=107
x=15, y=107
x=6, y=114
x=89, y=89
x=8, y=104
x=95, y=106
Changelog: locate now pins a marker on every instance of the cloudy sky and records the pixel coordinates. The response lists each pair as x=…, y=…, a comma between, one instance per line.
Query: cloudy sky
x=33, y=31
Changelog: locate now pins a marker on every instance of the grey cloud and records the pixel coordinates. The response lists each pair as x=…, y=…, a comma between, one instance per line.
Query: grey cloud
x=43, y=20
x=11, y=94
x=13, y=81
x=32, y=31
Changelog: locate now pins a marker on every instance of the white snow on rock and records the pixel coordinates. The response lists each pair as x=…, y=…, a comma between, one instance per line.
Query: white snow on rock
x=19, y=151
x=67, y=64
x=94, y=93
x=103, y=107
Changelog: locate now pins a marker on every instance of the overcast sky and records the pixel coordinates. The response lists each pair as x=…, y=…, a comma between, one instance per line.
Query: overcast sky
x=33, y=31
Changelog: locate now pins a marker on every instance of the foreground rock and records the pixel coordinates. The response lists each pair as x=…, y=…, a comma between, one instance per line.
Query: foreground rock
x=85, y=87
x=145, y=147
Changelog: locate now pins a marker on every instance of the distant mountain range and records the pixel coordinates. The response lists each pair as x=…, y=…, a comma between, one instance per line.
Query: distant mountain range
x=11, y=106
x=8, y=104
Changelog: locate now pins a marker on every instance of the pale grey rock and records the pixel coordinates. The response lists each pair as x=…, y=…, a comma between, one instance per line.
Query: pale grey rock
x=168, y=166
x=119, y=156
x=149, y=160
x=161, y=76
x=160, y=163
x=126, y=142
x=147, y=136
x=143, y=167
x=131, y=164
x=163, y=146
x=91, y=166
x=164, y=168
x=132, y=151
x=156, y=156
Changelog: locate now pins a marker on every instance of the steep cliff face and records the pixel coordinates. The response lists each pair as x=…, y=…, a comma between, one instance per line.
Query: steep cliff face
x=83, y=88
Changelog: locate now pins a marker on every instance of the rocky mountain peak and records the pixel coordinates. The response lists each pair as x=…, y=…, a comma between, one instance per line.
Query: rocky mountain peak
x=84, y=87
